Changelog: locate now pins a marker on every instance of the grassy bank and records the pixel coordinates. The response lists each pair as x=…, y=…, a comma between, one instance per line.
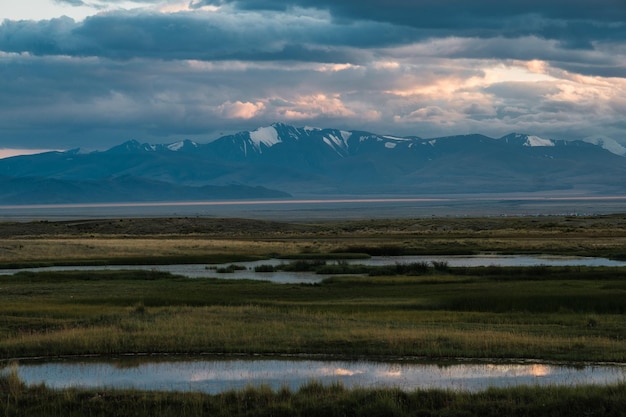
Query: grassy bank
x=314, y=400
x=205, y=240
x=560, y=313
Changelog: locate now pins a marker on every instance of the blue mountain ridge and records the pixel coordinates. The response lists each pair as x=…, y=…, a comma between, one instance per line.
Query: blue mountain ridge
x=280, y=161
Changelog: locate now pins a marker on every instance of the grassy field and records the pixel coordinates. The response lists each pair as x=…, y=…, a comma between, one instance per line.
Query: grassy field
x=563, y=313
x=224, y=240
x=549, y=313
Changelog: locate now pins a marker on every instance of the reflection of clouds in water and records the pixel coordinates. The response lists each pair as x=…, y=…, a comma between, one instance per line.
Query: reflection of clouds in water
x=342, y=372
x=540, y=370
x=218, y=376
x=537, y=370
x=391, y=373
x=248, y=370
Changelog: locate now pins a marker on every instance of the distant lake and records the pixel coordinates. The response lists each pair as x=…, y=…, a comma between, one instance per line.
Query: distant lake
x=219, y=375
x=286, y=277
x=333, y=207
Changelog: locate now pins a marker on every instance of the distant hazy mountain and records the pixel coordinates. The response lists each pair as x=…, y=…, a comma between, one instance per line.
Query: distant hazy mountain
x=311, y=161
x=29, y=190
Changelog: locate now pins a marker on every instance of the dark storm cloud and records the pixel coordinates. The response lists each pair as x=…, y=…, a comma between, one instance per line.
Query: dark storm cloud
x=270, y=30
x=574, y=22
x=440, y=13
x=243, y=36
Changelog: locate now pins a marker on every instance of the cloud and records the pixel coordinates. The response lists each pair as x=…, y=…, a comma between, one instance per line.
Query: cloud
x=167, y=70
x=198, y=35
x=7, y=153
x=315, y=106
x=573, y=22
x=240, y=110
x=71, y=2
x=271, y=31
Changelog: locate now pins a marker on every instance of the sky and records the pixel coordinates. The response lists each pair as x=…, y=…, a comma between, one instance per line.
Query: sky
x=91, y=74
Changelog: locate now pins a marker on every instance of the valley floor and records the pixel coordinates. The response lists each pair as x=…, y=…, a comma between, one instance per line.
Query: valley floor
x=572, y=314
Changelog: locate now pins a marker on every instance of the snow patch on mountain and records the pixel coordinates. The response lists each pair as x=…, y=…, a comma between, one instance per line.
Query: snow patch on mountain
x=609, y=144
x=332, y=144
x=396, y=138
x=390, y=145
x=338, y=143
x=176, y=146
x=267, y=136
x=534, y=141
x=334, y=140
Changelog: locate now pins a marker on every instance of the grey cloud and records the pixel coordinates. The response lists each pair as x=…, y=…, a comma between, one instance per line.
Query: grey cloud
x=71, y=2
x=602, y=62
x=521, y=91
x=283, y=36
x=438, y=13
x=245, y=36
x=77, y=100
x=576, y=23
x=124, y=75
x=270, y=35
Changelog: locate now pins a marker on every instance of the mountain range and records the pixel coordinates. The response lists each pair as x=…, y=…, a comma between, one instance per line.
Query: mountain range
x=282, y=161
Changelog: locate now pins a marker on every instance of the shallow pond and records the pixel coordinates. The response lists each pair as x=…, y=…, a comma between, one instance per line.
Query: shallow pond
x=203, y=271
x=216, y=376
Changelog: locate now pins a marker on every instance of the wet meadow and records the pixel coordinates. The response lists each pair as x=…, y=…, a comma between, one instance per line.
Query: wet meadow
x=429, y=311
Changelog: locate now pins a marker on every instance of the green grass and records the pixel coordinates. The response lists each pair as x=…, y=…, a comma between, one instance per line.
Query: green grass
x=560, y=314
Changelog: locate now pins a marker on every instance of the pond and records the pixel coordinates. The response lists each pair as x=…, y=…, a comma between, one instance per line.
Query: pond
x=220, y=375
x=284, y=277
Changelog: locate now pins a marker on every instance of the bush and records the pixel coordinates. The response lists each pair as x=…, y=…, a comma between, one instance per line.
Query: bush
x=230, y=269
x=265, y=268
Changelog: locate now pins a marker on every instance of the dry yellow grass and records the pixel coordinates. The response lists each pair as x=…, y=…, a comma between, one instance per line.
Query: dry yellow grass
x=256, y=329
x=195, y=237
x=19, y=250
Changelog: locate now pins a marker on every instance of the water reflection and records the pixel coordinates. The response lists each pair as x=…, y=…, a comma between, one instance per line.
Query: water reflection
x=283, y=277
x=215, y=376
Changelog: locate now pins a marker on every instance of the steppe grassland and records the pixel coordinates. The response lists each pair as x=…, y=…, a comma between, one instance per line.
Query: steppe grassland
x=570, y=315
x=213, y=241
x=116, y=248
x=47, y=249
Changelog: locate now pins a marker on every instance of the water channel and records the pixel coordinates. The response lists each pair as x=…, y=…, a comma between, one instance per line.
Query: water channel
x=220, y=375
x=284, y=277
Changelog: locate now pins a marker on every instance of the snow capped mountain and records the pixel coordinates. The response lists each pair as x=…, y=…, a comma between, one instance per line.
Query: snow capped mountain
x=135, y=146
x=537, y=141
x=609, y=144
x=266, y=136
x=132, y=146
x=316, y=161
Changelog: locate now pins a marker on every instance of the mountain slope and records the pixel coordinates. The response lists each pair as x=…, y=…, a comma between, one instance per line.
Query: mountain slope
x=313, y=161
x=28, y=190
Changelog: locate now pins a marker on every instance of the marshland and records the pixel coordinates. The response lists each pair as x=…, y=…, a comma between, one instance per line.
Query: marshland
x=428, y=311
